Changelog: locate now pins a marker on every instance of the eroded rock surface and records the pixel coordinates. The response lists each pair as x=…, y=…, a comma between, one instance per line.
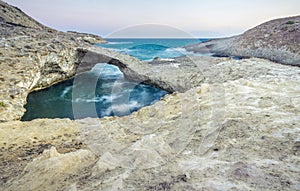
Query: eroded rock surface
x=238, y=133
x=34, y=56
x=277, y=40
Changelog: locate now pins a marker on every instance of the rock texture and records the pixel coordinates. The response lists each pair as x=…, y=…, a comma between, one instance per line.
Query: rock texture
x=228, y=125
x=35, y=57
x=277, y=40
x=239, y=131
x=179, y=75
x=16, y=17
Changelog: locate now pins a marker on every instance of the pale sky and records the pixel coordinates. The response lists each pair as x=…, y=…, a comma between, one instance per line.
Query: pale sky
x=200, y=18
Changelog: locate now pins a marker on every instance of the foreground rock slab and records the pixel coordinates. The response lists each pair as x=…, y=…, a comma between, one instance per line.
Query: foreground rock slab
x=239, y=133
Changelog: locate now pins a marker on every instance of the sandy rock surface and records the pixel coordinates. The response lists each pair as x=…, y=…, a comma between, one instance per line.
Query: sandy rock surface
x=242, y=134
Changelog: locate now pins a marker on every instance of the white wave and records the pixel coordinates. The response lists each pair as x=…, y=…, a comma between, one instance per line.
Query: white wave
x=107, y=71
x=109, y=98
x=66, y=90
x=125, y=50
x=177, y=49
x=98, y=99
x=85, y=100
x=93, y=100
x=119, y=42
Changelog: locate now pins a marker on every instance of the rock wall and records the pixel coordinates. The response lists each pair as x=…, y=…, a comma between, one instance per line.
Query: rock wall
x=28, y=64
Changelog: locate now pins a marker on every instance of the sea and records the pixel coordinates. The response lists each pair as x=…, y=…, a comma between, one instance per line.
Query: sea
x=104, y=91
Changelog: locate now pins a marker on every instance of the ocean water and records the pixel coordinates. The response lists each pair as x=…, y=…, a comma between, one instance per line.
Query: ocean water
x=104, y=91
x=148, y=49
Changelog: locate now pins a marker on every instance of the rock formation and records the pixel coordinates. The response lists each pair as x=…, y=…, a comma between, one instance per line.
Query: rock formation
x=228, y=125
x=277, y=40
x=238, y=135
x=34, y=56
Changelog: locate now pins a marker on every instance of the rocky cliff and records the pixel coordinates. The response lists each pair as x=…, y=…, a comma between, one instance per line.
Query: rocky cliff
x=34, y=56
x=277, y=40
x=228, y=125
x=15, y=16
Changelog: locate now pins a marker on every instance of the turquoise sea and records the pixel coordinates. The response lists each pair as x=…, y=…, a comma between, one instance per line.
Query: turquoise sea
x=104, y=91
x=147, y=49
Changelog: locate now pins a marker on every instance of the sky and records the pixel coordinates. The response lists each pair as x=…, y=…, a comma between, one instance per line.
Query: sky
x=173, y=18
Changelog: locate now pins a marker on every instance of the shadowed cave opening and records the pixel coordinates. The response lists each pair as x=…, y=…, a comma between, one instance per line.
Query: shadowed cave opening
x=102, y=91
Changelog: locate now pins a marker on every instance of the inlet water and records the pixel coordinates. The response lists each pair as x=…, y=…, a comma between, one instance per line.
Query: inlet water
x=112, y=95
x=104, y=91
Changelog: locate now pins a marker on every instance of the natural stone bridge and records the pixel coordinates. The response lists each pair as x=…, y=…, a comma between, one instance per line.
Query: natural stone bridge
x=180, y=74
